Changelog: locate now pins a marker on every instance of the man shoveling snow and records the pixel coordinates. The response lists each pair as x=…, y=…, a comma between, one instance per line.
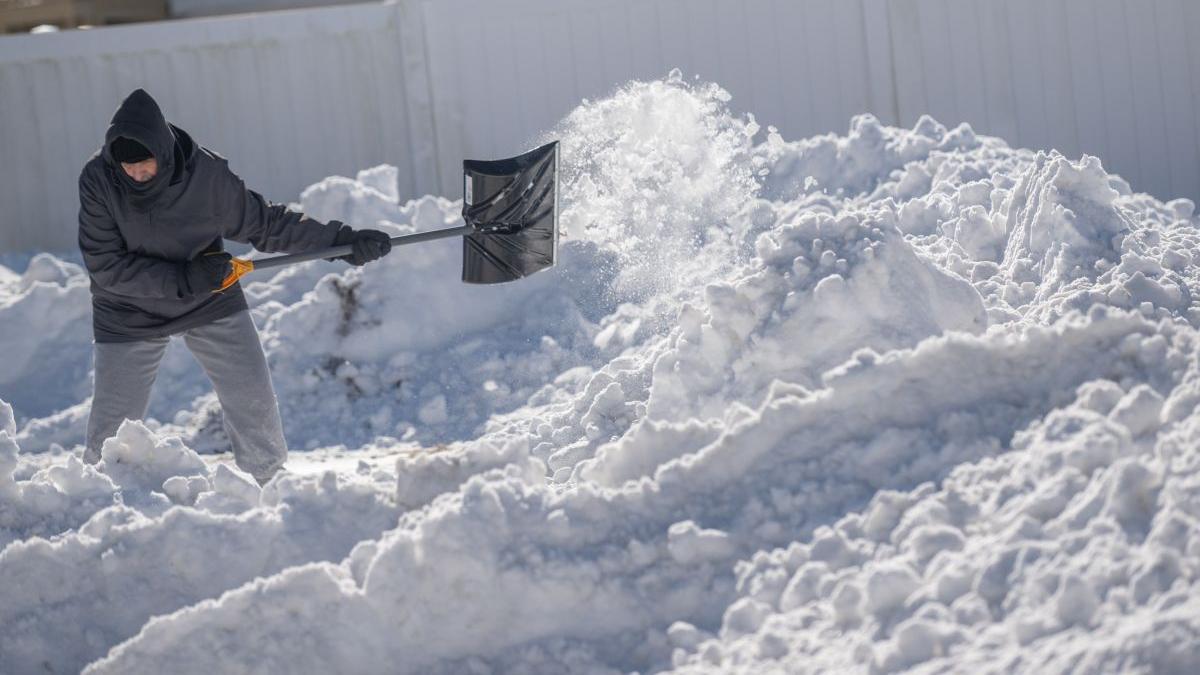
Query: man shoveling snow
x=154, y=209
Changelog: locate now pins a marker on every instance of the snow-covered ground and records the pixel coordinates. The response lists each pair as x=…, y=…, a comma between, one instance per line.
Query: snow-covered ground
x=897, y=399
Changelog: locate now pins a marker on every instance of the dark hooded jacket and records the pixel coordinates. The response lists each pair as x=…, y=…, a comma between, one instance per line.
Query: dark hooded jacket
x=136, y=237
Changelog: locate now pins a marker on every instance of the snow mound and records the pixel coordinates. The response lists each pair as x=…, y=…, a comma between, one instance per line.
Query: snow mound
x=1073, y=551
x=520, y=559
x=1066, y=230
x=35, y=338
x=90, y=554
x=902, y=399
x=824, y=287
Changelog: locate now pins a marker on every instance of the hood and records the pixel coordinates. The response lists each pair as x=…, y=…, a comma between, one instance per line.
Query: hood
x=139, y=118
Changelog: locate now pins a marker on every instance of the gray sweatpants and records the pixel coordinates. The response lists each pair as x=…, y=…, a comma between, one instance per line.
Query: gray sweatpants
x=230, y=352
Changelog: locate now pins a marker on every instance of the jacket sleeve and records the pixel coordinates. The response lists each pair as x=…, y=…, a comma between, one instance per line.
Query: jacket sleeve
x=269, y=227
x=110, y=264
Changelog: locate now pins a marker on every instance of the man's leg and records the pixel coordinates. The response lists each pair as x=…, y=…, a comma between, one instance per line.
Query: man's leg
x=124, y=375
x=230, y=352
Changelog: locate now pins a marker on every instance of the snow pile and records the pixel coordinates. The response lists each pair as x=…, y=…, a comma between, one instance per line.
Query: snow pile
x=46, y=355
x=1074, y=552
x=520, y=560
x=899, y=399
x=98, y=551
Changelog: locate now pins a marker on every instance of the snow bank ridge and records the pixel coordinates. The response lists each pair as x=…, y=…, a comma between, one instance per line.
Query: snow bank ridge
x=902, y=399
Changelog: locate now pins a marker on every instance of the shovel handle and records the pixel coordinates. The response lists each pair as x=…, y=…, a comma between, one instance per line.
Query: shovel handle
x=243, y=266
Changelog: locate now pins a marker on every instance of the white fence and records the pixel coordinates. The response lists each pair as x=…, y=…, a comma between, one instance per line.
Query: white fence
x=1119, y=79
x=288, y=97
x=293, y=96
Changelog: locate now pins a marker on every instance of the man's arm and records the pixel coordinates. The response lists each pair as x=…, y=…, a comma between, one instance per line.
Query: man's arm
x=267, y=226
x=111, y=265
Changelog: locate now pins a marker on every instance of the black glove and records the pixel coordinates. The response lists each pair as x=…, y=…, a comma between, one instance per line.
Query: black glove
x=367, y=245
x=205, y=273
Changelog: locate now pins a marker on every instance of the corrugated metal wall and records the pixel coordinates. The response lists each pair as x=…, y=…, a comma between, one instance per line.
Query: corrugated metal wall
x=805, y=66
x=294, y=96
x=288, y=97
x=1118, y=79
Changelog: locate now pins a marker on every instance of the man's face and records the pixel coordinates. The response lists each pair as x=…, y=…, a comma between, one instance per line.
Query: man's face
x=141, y=171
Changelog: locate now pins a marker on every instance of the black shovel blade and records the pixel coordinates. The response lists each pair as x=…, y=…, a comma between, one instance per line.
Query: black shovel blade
x=511, y=206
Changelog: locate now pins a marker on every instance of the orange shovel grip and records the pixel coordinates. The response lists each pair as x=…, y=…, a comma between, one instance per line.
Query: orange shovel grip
x=240, y=268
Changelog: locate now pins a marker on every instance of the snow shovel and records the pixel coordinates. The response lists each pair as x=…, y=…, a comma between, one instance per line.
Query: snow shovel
x=510, y=211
